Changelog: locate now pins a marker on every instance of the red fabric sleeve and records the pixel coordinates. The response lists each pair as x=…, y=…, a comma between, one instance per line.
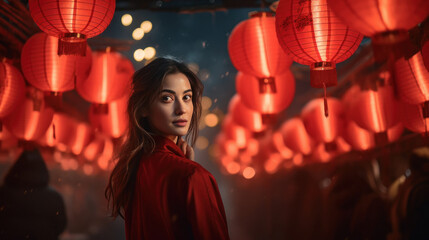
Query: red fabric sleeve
x=205, y=208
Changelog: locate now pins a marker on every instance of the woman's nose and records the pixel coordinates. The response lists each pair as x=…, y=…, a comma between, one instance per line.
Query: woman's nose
x=180, y=107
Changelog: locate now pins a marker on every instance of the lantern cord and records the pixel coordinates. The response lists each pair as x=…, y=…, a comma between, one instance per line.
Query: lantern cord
x=53, y=131
x=325, y=101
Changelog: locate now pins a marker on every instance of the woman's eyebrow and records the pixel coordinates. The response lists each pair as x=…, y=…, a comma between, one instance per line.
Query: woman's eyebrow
x=173, y=92
x=169, y=91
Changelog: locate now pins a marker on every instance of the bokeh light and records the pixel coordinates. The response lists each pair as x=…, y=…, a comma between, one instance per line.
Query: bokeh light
x=206, y=102
x=149, y=52
x=88, y=169
x=138, y=34
x=146, y=26
x=211, y=120
x=126, y=19
x=233, y=167
x=202, y=143
x=139, y=55
x=248, y=172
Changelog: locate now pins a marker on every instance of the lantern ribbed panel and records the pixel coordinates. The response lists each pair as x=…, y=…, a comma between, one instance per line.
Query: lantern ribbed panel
x=374, y=16
x=45, y=70
x=254, y=49
x=296, y=137
x=12, y=90
x=374, y=111
x=261, y=97
x=310, y=32
x=245, y=116
x=57, y=17
x=109, y=79
x=28, y=123
x=412, y=118
x=321, y=128
x=412, y=80
x=361, y=139
x=115, y=121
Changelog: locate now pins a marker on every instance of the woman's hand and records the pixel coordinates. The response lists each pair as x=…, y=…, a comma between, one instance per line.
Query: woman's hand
x=186, y=149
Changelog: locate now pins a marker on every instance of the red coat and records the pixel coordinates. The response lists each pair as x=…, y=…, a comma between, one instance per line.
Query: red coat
x=174, y=198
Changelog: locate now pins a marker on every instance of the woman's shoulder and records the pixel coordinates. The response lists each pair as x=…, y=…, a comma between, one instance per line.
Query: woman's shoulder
x=178, y=163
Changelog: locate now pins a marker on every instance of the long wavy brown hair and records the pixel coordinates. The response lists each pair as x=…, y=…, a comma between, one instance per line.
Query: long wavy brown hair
x=147, y=85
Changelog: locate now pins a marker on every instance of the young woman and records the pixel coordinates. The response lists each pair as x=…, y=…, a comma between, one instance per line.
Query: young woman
x=156, y=186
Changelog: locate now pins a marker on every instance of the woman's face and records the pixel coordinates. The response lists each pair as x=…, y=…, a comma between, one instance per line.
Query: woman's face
x=171, y=113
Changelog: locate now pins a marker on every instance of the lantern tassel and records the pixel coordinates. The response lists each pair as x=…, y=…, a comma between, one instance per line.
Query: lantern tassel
x=72, y=44
x=325, y=101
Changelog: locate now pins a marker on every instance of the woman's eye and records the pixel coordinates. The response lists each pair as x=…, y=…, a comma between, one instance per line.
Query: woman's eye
x=187, y=97
x=166, y=98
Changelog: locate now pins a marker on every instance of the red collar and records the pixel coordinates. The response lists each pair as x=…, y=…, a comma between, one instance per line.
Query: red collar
x=164, y=144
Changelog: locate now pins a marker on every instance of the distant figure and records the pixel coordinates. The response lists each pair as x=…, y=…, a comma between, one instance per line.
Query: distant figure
x=29, y=208
x=357, y=211
x=410, y=210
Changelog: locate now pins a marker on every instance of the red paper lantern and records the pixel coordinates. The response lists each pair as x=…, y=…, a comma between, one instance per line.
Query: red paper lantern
x=375, y=111
x=45, y=70
x=60, y=131
x=83, y=134
x=94, y=148
x=412, y=118
x=245, y=116
x=235, y=132
x=7, y=139
x=321, y=154
x=361, y=139
x=279, y=145
x=312, y=35
x=115, y=121
x=226, y=146
x=412, y=81
x=386, y=22
x=30, y=120
x=273, y=162
x=104, y=161
x=321, y=128
x=266, y=97
x=295, y=136
x=12, y=90
x=254, y=49
x=72, y=21
x=109, y=79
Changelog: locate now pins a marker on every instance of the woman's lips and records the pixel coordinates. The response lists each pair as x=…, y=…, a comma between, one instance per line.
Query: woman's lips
x=180, y=123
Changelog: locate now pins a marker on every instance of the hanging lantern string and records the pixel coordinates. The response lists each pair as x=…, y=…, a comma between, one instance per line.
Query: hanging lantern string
x=53, y=131
x=325, y=101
